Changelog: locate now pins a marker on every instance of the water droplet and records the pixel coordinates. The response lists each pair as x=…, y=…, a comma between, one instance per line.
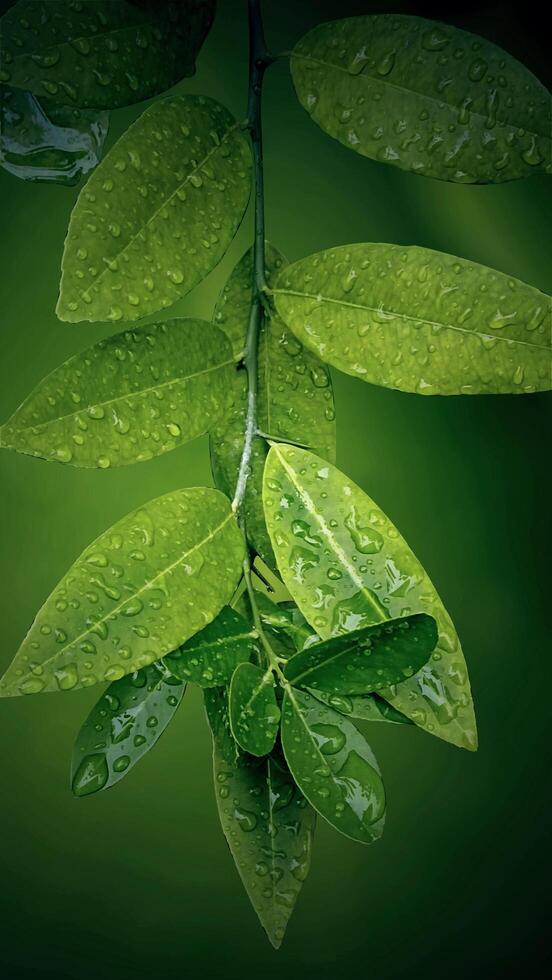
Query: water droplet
x=91, y=775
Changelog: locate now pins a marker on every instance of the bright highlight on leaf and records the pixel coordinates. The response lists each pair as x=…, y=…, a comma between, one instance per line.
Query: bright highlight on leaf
x=211, y=656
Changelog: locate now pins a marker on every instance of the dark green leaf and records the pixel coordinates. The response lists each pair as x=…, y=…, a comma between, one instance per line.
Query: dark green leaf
x=424, y=96
x=210, y=657
x=128, y=398
x=364, y=707
x=333, y=766
x=419, y=320
x=124, y=724
x=139, y=590
x=100, y=53
x=254, y=713
x=215, y=700
x=284, y=622
x=157, y=214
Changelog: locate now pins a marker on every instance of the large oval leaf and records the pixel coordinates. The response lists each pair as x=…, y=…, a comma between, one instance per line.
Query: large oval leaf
x=128, y=398
x=139, y=590
x=295, y=398
x=333, y=766
x=347, y=567
x=211, y=656
x=157, y=214
x=419, y=320
x=123, y=726
x=424, y=96
x=254, y=713
x=99, y=53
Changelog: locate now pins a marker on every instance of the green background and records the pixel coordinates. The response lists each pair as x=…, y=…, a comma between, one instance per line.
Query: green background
x=138, y=881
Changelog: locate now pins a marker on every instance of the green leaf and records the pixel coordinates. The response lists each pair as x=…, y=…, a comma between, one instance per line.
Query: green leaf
x=295, y=398
x=419, y=320
x=424, y=96
x=285, y=623
x=364, y=707
x=269, y=827
x=210, y=657
x=158, y=213
x=101, y=54
x=215, y=700
x=366, y=660
x=146, y=585
x=128, y=398
x=347, y=567
x=333, y=766
x=254, y=713
x=124, y=724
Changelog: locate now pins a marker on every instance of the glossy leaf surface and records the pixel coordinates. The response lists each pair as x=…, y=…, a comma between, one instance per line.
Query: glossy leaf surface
x=363, y=707
x=215, y=700
x=211, y=656
x=366, y=660
x=333, y=766
x=157, y=214
x=124, y=724
x=347, y=567
x=128, y=398
x=254, y=713
x=140, y=589
x=101, y=54
x=426, y=97
x=419, y=320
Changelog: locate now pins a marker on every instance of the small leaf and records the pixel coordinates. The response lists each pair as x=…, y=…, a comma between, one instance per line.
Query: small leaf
x=99, y=53
x=363, y=707
x=124, y=724
x=347, y=567
x=254, y=713
x=424, y=96
x=333, y=766
x=284, y=621
x=419, y=320
x=366, y=660
x=233, y=305
x=210, y=657
x=215, y=700
x=158, y=214
x=128, y=398
x=146, y=585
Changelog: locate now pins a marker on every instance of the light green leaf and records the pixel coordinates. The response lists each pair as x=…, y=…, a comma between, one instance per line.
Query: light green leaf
x=367, y=659
x=333, y=766
x=152, y=580
x=424, y=96
x=210, y=657
x=295, y=398
x=157, y=214
x=347, y=567
x=419, y=320
x=254, y=713
x=124, y=724
x=99, y=53
x=128, y=398
x=363, y=707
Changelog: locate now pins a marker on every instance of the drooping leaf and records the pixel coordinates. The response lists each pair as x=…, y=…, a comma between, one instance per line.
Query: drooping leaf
x=254, y=712
x=363, y=707
x=347, y=567
x=210, y=657
x=140, y=589
x=295, y=398
x=419, y=320
x=426, y=97
x=215, y=700
x=128, y=398
x=367, y=659
x=333, y=766
x=55, y=145
x=101, y=54
x=157, y=214
x=124, y=724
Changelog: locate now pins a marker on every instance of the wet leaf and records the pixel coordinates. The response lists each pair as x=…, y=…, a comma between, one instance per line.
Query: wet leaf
x=123, y=726
x=347, y=567
x=285, y=622
x=419, y=320
x=101, y=54
x=215, y=700
x=210, y=657
x=128, y=398
x=158, y=213
x=424, y=96
x=363, y=707
x=333, y=766
x=254, y=713
x=366, y=660
x=140, y=589
x=55, y=145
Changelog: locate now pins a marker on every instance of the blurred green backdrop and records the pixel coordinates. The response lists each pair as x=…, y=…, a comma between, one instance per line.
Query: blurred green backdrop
x=138, y=881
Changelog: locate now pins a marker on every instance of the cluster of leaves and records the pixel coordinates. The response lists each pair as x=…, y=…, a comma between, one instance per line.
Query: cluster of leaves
x=165, y=597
